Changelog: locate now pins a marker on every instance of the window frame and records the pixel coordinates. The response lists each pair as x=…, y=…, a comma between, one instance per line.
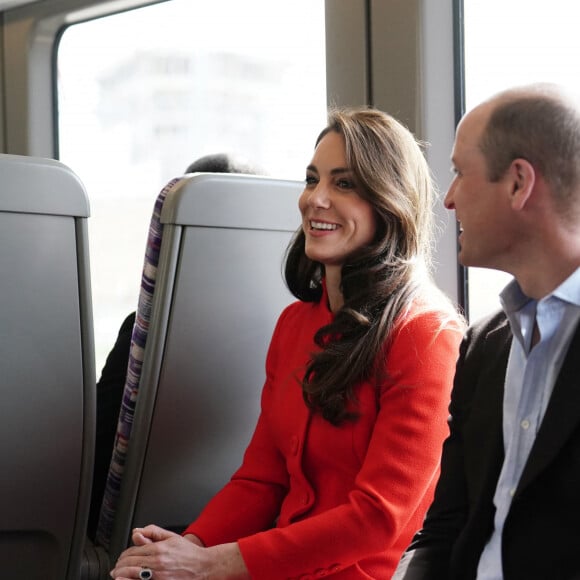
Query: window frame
x=365, y=66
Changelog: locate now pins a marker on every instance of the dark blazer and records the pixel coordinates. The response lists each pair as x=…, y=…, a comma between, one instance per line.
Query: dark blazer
x=541, y=538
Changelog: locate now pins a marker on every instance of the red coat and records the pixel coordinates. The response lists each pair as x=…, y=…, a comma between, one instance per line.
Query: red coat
x=312, y=499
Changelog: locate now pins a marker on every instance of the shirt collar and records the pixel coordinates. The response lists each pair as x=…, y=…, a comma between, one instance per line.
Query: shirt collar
x=513, y=299
x=569, y=290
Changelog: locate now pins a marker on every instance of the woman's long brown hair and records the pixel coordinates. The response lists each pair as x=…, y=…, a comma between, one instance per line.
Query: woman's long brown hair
x=379, y=282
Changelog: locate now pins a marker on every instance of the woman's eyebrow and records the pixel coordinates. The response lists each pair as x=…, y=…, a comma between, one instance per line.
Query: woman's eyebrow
x=335, y=171
x=340, y=170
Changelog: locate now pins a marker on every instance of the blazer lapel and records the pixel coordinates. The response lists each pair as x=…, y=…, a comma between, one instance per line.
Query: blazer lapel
x=562, y=415
x=485, y=431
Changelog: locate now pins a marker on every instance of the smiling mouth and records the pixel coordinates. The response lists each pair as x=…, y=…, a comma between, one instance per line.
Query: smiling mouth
x=323, y=226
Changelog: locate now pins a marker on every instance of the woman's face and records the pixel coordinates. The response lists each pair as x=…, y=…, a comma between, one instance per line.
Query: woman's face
x=336, y=220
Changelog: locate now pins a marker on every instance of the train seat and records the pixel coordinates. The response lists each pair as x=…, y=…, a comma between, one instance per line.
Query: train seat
x=131, y=388
x=217, y=295
x=47, y=389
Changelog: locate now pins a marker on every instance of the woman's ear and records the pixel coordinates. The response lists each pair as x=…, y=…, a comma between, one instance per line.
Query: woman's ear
x=523, y=176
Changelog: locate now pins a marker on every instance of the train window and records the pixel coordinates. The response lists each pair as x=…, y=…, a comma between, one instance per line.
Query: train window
x=507, y=44
x=143, y=93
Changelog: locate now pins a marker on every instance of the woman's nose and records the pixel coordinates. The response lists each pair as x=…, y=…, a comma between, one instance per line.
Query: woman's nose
x=320, y=196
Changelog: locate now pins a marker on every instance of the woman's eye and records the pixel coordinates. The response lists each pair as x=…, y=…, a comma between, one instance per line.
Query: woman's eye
x=345, y=184
x=310, y=180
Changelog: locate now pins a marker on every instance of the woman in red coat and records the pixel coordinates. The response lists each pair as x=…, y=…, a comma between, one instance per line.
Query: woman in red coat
x=343, y=462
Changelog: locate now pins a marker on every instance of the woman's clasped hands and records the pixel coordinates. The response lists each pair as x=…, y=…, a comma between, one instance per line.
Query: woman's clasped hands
x=169, y=556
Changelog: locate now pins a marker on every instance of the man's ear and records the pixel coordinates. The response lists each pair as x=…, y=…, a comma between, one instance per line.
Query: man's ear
x=523, y=176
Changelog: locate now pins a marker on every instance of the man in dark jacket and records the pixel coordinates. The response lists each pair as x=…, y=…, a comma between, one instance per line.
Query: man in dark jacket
x=507, y=502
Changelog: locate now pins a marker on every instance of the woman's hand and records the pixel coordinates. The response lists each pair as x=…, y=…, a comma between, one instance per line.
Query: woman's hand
x=172, y=557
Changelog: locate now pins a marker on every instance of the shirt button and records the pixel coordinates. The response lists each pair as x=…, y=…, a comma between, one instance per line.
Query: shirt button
x=525, y=424
x=512, y=491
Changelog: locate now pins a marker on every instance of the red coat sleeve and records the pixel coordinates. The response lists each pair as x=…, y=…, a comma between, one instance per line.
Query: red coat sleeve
x=250, y=502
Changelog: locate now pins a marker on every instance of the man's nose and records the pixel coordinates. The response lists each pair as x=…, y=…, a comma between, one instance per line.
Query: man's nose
x=448, y=201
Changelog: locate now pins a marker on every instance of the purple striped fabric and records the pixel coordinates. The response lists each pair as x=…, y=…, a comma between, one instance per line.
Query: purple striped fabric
x=131, y=389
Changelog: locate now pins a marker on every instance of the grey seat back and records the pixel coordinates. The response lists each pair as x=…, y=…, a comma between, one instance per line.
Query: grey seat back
x=47, y=376
x=219, y=291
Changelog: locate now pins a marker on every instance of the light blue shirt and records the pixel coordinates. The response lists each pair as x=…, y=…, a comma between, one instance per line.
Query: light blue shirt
x=530, y=377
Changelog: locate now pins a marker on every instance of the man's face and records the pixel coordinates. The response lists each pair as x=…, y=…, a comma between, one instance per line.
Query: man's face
x=481, y=206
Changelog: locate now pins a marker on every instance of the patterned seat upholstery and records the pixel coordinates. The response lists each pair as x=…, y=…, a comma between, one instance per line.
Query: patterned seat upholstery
x=131, y=388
